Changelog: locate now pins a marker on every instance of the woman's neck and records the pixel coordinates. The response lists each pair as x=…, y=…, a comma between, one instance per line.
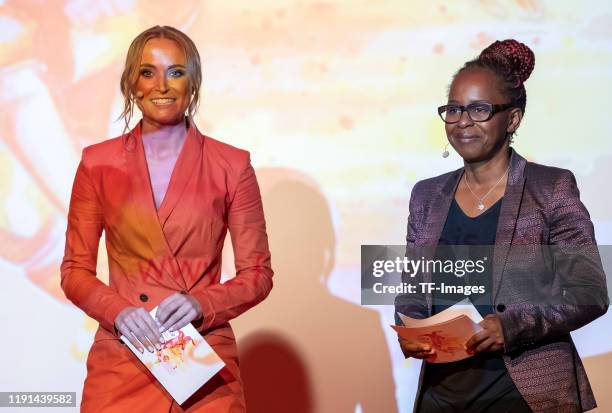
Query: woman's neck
x=171, y=132
x=165, y=142
x=487, y=172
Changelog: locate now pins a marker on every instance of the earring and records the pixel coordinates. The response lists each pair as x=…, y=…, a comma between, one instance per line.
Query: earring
x=445, y=153
x=511, y=137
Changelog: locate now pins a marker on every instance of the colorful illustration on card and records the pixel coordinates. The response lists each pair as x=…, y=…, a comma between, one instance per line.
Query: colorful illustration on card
x=172, y=356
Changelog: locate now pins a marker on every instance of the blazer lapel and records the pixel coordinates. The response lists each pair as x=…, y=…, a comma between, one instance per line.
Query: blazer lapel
x=440, y=207
x=162, y=259
x=439, y=213
x=183, y=170
x=507, y=218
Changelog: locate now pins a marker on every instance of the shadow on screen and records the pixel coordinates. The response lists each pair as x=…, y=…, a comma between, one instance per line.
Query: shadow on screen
x=303, y=347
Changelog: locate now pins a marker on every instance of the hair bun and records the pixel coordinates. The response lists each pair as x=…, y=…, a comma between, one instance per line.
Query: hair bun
x=516, y=57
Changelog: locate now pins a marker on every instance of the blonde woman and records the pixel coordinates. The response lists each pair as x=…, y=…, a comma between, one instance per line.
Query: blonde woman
x=165, y=196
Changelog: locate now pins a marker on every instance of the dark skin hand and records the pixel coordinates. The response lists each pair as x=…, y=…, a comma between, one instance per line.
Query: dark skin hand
x=420, y=351
x=489, y=339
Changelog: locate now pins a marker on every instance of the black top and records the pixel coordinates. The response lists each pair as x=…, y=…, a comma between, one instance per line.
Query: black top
x=480, y=383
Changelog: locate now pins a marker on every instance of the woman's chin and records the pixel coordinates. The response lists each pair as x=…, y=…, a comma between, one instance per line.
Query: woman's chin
x=170, y=120
x=471, y=155
x=477, y=154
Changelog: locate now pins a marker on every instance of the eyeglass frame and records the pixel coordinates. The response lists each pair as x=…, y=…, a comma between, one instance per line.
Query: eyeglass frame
x=494, y=109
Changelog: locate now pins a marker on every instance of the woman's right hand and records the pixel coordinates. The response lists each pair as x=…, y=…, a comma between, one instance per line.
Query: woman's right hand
x=417, y=350
x=139, y=327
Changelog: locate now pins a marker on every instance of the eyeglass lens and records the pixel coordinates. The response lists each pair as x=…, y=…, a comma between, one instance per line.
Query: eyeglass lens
x=476, y=111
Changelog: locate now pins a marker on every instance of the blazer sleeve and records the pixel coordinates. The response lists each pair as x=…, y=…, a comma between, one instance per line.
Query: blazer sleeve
x=578, y=267
x=253, y=281
x=413, y=305
x=78, y=268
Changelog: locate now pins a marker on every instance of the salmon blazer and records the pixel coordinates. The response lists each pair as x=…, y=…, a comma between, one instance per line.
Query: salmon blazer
x=155, y=253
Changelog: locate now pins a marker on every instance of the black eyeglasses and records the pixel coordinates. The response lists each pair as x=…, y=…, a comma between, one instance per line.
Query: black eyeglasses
x=478, y=112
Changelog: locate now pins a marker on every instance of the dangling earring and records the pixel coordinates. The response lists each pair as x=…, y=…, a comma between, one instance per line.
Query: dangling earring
x=445, y=153
x=511, y=137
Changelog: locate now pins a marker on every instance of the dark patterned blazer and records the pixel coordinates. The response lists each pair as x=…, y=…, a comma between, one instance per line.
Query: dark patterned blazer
x=540, y=294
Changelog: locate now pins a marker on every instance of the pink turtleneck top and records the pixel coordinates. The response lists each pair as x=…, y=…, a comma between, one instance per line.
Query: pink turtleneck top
x=161, y=151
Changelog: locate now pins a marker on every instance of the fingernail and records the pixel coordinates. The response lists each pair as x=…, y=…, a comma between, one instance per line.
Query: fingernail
x=141, y=350
x=171, y=329
x=157, y=346
x=150, y=349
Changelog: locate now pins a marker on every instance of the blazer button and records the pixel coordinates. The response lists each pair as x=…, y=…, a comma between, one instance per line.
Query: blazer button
x=501, y=308
x=144, y=298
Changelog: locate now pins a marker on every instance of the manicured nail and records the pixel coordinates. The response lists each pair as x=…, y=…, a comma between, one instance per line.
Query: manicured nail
x=150, y=349
x=141, y=350
x=158, y=346
x=171, y=329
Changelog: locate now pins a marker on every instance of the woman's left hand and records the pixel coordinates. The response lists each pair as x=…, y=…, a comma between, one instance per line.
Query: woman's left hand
x=490, y=338
x=177, y=311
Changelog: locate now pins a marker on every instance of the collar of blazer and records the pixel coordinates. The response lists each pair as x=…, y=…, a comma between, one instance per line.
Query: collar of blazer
x=152, y=221
x=507, y=217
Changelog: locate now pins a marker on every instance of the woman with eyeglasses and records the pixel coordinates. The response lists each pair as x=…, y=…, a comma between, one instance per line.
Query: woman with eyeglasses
x=523, y=359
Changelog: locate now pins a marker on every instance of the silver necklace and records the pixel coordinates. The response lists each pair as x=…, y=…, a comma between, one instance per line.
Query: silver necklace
x=480, y=199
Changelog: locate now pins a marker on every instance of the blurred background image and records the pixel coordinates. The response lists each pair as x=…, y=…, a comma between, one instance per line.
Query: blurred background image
x=336, y=101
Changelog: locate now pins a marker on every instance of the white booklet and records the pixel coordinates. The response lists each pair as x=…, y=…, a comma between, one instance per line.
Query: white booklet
x=446, y=332
x=184, y=364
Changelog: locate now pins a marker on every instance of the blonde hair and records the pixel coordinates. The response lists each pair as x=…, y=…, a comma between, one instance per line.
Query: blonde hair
x=131, y=70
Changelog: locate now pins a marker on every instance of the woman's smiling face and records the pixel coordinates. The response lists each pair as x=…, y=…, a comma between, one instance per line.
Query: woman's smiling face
x=479, y=141
x=163, y=87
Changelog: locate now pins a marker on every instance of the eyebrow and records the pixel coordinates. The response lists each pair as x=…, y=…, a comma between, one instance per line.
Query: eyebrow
x=470, y=102
x=169, y=67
